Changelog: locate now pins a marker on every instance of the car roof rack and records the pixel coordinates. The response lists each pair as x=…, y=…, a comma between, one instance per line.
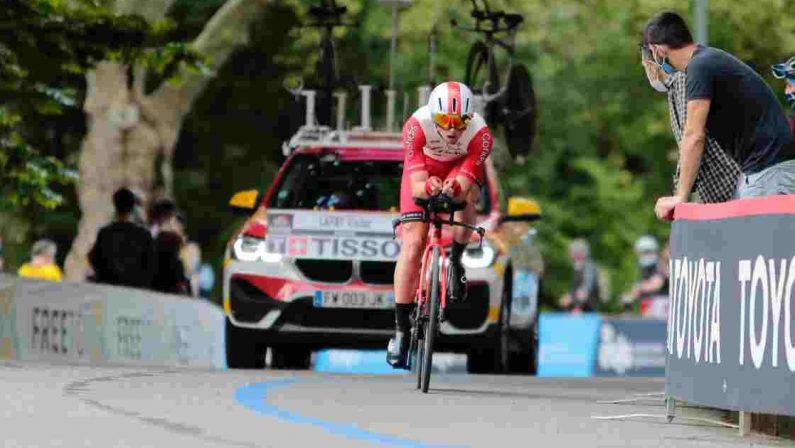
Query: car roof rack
x=313, y=135
x=324, y=136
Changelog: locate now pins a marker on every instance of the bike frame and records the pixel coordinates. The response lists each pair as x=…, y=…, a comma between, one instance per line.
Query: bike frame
x=490, y=41
x=424, y=285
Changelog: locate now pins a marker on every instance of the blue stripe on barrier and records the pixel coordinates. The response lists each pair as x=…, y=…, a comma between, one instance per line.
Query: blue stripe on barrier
x=255, y=398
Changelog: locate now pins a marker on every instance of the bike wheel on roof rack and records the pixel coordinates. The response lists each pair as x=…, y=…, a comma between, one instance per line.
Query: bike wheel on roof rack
x=519, y=112
x=481, y=76
x=328, y=80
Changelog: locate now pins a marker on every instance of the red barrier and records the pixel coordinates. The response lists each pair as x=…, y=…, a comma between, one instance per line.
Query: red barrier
x=769, y=205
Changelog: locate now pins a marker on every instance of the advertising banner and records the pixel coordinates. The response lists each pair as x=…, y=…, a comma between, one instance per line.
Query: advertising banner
x=567, y=344
x=730, y=329
x=589, y=344
x=310, y=221
x=631, y=347
x=332, y=235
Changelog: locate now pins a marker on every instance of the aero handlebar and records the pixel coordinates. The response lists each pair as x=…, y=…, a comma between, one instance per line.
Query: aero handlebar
x=432, y=207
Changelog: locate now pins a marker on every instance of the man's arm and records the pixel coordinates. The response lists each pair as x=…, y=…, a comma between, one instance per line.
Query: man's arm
x=692, y=146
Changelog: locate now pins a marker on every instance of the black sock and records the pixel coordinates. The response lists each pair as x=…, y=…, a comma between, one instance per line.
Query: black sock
x=403, y=315
x=458, y=250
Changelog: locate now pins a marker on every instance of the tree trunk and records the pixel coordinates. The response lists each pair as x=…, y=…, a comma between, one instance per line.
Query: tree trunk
x=128, y=130
x=100, y=159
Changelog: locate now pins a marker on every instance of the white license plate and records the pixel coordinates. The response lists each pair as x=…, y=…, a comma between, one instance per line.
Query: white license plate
x=355, y=299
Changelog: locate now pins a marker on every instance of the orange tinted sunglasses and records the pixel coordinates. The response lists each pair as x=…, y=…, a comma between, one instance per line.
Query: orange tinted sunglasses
x=451, y=121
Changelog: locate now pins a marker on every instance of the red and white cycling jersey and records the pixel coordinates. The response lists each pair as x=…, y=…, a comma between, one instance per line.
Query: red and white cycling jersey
x=426, y=150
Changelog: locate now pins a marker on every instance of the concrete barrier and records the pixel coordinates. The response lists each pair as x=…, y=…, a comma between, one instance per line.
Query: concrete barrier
x=87, y=323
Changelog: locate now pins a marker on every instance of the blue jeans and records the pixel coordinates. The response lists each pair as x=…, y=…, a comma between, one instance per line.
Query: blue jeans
x=777, y=179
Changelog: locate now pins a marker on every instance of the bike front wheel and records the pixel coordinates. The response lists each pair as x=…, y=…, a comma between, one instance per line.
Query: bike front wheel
x=431, y=323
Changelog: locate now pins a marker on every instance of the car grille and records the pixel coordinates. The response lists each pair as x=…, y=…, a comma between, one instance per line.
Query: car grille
x=377, y=272
x=327, y=271
x=301, y=312
x=473, y=312
x=249, y=303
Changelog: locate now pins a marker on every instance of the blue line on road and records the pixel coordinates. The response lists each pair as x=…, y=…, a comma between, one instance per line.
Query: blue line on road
x=255, y=398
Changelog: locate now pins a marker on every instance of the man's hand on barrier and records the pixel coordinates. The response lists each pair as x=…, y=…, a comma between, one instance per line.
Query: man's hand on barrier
x=664, y=209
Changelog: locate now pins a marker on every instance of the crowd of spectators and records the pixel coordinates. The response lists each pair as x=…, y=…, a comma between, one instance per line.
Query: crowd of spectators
x=133, y=251
x=648, y=295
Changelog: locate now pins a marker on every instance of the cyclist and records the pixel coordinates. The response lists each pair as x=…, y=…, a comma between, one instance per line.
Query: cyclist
x=446, y=145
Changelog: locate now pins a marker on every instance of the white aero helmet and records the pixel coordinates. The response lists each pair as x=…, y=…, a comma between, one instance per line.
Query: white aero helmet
x=451, y=97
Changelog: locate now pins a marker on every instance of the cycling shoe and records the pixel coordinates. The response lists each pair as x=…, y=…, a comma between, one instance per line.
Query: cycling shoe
x=398, y=350
x=456, y=283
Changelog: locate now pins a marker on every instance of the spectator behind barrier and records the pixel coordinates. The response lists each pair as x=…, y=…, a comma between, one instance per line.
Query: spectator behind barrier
x=168, y=227
x=718, y=173
x=42, y=263
x=123, y=254
x=584, y=294
x=206, y=280
x=162, y=213
x=652, y=283
x=191, y=256
x=786, y=71
x=728, y=99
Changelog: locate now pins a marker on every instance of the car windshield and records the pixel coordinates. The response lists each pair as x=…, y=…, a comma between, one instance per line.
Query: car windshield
x=323, y=181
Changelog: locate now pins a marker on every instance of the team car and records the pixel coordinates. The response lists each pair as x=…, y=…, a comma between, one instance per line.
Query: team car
x=312, y=267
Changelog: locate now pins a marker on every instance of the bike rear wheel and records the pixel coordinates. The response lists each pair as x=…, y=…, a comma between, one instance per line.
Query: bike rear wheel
x=431, y=323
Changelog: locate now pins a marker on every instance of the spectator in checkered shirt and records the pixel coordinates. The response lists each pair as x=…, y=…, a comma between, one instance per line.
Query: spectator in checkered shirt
x=718, y=173
x=730, y=100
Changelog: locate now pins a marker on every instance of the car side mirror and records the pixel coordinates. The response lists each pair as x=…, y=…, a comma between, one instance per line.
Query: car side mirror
x=522, y=209
x=244, y=202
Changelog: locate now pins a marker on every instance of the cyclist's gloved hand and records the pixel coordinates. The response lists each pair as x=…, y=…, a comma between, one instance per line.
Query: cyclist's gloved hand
x=433, y=186
x=451, y=188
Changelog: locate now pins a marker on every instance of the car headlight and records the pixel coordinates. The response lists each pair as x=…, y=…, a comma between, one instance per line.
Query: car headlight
x=247, y=248
x=479, y=257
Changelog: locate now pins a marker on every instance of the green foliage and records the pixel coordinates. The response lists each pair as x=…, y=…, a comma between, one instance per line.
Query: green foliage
x=604, y=152
x=27, y=175
x=45, y=50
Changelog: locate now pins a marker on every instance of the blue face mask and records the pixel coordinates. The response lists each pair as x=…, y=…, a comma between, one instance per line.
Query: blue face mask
x=664, y=65
x=667, y=68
